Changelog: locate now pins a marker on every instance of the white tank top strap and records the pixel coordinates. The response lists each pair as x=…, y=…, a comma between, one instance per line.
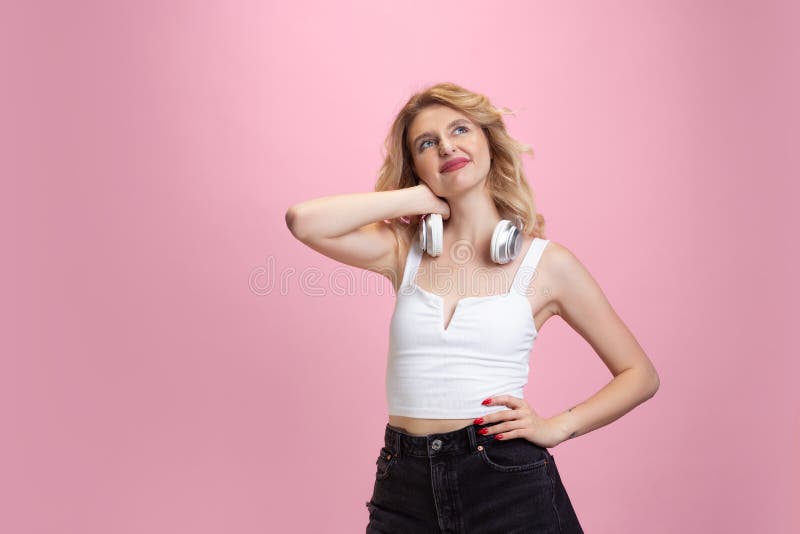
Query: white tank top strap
x=413, y=260
x=527, y=269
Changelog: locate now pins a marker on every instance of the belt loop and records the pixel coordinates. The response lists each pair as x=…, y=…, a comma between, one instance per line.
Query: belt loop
x=472, y=441
x=397, y=443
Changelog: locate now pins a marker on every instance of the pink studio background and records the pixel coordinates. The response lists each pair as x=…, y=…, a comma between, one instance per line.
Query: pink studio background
x=175, y=361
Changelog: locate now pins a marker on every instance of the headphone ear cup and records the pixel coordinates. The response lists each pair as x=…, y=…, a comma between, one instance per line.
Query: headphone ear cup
x=515, y=243
x=506, y=242
x=436, y=234
x=493, y=248
x=423, y=242
x=431, y=230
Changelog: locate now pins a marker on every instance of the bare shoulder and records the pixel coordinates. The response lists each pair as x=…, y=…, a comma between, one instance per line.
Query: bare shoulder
x=556, y=256
x=553, y=271
x=567, y=277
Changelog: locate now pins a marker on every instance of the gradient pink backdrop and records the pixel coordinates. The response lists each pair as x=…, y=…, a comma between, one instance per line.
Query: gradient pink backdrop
x=173, y=360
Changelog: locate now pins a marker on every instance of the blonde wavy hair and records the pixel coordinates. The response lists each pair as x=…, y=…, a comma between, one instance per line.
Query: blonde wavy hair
x=506, y=179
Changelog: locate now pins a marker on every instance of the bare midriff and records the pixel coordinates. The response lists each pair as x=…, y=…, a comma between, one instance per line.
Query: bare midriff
x=422, y=427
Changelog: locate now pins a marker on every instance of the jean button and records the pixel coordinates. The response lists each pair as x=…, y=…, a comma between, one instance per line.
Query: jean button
x=436, y=444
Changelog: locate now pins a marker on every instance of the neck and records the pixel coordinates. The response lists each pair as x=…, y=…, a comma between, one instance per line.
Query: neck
x=473, y=217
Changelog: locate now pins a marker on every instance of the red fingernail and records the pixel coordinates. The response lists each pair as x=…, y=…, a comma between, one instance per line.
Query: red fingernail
x=487, y=401
x=478, y=421
x=499, y=436
x=483, y=431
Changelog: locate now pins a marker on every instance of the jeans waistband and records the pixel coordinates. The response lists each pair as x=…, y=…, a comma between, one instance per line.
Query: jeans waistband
x=453, y=442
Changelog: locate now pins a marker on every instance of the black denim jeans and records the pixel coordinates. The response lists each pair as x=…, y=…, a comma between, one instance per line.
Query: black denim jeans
x=462, y=482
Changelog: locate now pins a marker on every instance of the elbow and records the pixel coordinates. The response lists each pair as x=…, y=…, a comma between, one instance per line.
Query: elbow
x=292, y=219
x=655, y=383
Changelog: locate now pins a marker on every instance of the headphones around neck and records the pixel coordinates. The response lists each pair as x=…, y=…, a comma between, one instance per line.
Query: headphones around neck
x=506, y=238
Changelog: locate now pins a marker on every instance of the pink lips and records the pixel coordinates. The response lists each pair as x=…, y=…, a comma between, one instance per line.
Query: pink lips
x=454, y=164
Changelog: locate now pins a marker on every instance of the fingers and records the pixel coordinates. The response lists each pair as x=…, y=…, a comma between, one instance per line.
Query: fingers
x=507, y=420
x=518, y=422
x=505, y=400
x=502, y=430
x=499, y=417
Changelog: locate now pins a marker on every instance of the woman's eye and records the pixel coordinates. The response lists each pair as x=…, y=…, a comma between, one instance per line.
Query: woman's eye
x=422, y=145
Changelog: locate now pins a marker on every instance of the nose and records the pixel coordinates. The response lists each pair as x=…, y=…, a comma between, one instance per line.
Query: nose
x=447, y=148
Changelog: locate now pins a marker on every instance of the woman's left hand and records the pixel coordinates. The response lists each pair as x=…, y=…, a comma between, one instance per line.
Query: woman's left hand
x=520, y=422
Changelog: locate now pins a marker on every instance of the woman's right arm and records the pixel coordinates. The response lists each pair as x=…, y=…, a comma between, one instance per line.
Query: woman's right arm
x=350, y=228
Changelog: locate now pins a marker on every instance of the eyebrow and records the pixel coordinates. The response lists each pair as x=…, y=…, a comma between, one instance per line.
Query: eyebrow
x=453, y=123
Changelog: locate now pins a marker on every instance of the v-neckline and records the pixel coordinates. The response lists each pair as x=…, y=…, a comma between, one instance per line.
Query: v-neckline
x=440, y=300
x=445, y=329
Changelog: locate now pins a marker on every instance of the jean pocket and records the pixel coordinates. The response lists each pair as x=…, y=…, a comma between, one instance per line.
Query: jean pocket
x=514, y=455
x=386, y=459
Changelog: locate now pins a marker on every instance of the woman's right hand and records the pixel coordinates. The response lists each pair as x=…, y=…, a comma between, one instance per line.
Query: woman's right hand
x=433, y=203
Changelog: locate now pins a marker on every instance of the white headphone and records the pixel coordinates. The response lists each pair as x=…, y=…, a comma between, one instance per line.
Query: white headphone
x=506, y=238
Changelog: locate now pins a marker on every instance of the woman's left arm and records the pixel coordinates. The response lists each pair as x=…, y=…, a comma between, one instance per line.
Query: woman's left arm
x=579, y=300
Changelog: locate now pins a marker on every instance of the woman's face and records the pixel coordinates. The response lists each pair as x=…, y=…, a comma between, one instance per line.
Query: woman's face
x=439, y=134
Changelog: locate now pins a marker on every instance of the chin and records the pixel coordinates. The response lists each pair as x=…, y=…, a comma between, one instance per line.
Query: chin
x=462, y=186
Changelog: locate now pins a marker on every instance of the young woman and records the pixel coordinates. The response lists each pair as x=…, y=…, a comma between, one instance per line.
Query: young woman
x=463, y=452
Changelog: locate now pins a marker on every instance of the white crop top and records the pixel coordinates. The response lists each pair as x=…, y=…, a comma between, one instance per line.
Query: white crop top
x=435, y=372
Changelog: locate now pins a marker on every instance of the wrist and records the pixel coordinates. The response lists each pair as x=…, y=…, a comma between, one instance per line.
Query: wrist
x=420, y=202
x=562, y=425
